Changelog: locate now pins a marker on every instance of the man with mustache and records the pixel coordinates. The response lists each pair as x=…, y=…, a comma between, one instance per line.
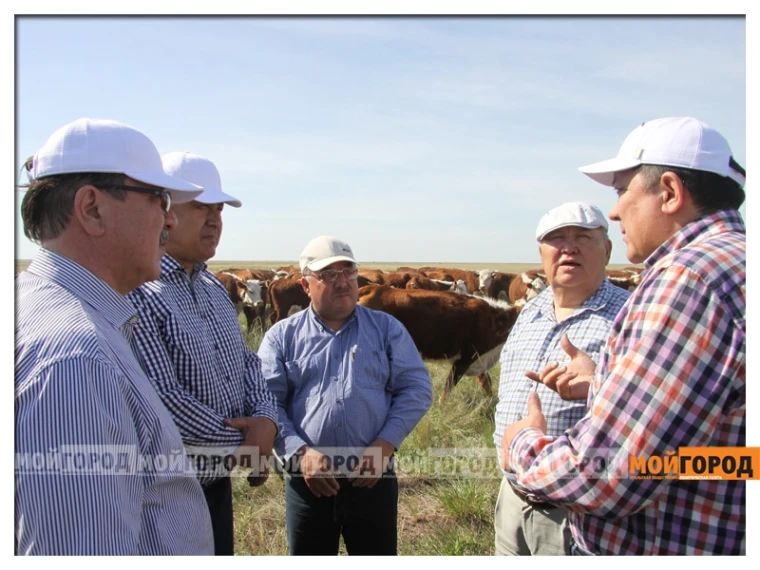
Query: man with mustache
x=673, y=372
x=579, y=305
x=350, y=386
x=190, y=343
x=100, y=468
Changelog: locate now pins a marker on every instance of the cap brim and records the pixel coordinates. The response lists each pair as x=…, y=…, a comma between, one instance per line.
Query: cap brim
x=180, y=190
x=216, y=196
x=322, y=263
x=576, y=224
x=604, y=172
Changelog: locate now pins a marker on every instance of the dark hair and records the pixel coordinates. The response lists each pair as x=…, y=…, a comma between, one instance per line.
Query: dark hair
x=48, y=202
x=711, y=192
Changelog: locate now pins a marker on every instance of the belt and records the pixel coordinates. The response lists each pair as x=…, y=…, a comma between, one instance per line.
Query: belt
x=524, y=497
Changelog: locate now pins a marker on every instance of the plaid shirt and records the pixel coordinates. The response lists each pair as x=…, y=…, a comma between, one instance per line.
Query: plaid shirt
x=673, y=375
x=189, y=341
x=534, y=342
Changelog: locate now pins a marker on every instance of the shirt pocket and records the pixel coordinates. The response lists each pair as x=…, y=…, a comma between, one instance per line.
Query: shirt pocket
x=370, y=368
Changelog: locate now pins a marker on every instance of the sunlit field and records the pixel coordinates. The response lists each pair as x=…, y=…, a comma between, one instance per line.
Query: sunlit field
x=447, y=469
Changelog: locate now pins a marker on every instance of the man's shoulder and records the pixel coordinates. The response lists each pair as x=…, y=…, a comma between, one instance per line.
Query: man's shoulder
x=719, y=261
x=616, y=296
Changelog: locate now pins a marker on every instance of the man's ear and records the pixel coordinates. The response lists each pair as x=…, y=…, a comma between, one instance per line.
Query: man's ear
x=88, y=210
x=674, y=194
x=305, y=286
x=608, y=247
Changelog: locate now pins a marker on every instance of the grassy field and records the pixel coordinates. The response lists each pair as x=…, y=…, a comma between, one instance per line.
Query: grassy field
x=448, y=480
x=446, y=497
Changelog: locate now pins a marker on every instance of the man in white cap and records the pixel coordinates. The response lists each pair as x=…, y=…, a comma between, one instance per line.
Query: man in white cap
x=350, y=386
x=100, y=468
x=673, y=374
x=579, y=305
x=191, y=346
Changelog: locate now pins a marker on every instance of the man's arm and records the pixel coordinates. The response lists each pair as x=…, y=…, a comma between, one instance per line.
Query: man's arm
x=411, y=396
x=410, y=386
x=71, y=407
x=276, y=377
x=198, y=424
x=650, y=403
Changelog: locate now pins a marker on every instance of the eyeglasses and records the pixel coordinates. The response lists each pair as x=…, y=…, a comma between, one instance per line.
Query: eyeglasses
x=330, y=275
x=166, y=197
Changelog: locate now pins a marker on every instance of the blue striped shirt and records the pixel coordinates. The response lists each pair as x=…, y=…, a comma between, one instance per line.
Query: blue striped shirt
x=189, y=340
x=83, y=406
x=534, y=342
x=343, y=390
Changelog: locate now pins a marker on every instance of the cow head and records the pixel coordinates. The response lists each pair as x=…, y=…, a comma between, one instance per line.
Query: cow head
x=534, y=288
x=485, y=277
x=253, y=293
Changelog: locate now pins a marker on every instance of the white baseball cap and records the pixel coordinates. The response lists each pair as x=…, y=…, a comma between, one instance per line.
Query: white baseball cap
x=324, y=250
x=580, y=214
x=201, y=171
x=682, y=142
x=101, y=145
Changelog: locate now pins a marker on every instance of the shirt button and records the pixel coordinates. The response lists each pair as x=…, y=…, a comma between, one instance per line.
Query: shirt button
x=519, y=416
x=337, y=400
x=335, y=378
x=340, y=425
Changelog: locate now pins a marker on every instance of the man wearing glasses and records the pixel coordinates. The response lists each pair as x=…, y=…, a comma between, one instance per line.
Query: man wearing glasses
x=190, y=343
x=350, y=386
x=90, y=428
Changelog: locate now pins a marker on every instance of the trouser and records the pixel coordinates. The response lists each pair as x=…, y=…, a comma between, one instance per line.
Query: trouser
x=366, y=518
x=219, y=499
x=524, y=529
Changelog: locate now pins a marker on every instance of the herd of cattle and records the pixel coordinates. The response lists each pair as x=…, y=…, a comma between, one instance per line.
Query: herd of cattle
x=452, y=314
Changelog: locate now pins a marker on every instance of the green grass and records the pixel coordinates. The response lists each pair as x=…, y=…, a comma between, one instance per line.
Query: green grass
x=447, y=472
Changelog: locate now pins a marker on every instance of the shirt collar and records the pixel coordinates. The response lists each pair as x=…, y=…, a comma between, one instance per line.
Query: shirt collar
x=710, y=225
x=84, y=285
x=543, y=304
x=315, y=317
x=169, y=266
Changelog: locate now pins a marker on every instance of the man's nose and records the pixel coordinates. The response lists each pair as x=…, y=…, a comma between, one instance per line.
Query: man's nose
x=170, y=219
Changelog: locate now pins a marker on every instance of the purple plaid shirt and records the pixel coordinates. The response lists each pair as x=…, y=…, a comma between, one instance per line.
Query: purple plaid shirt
x=672, y=375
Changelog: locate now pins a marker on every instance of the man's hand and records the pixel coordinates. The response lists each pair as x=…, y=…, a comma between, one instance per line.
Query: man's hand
x=372, y=464
x=572, y=381
x=318, y=473
x=535, y=418
x=258, y=433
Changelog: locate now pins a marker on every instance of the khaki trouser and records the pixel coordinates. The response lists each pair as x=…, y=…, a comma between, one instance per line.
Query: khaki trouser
x=525, y=530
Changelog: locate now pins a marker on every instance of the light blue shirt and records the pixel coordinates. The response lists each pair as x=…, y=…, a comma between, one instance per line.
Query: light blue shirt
x=534, y=342
x=100, y=468
x=343, y=390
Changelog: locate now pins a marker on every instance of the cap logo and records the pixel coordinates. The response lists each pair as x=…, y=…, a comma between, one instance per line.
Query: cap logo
x=638, y=154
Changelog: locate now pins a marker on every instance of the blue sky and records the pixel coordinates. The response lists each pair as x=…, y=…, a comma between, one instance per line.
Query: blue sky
x=414, y=139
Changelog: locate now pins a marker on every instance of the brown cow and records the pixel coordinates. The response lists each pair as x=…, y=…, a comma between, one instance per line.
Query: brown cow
x=422, y=282
x=495, y=284
x=247, y=293
x=470, y=278
x=526, y=286
x=466, y=329
x=372, y=276
x=624, y=279
x=397, y=279
x=284, y=294
x=406, y=269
